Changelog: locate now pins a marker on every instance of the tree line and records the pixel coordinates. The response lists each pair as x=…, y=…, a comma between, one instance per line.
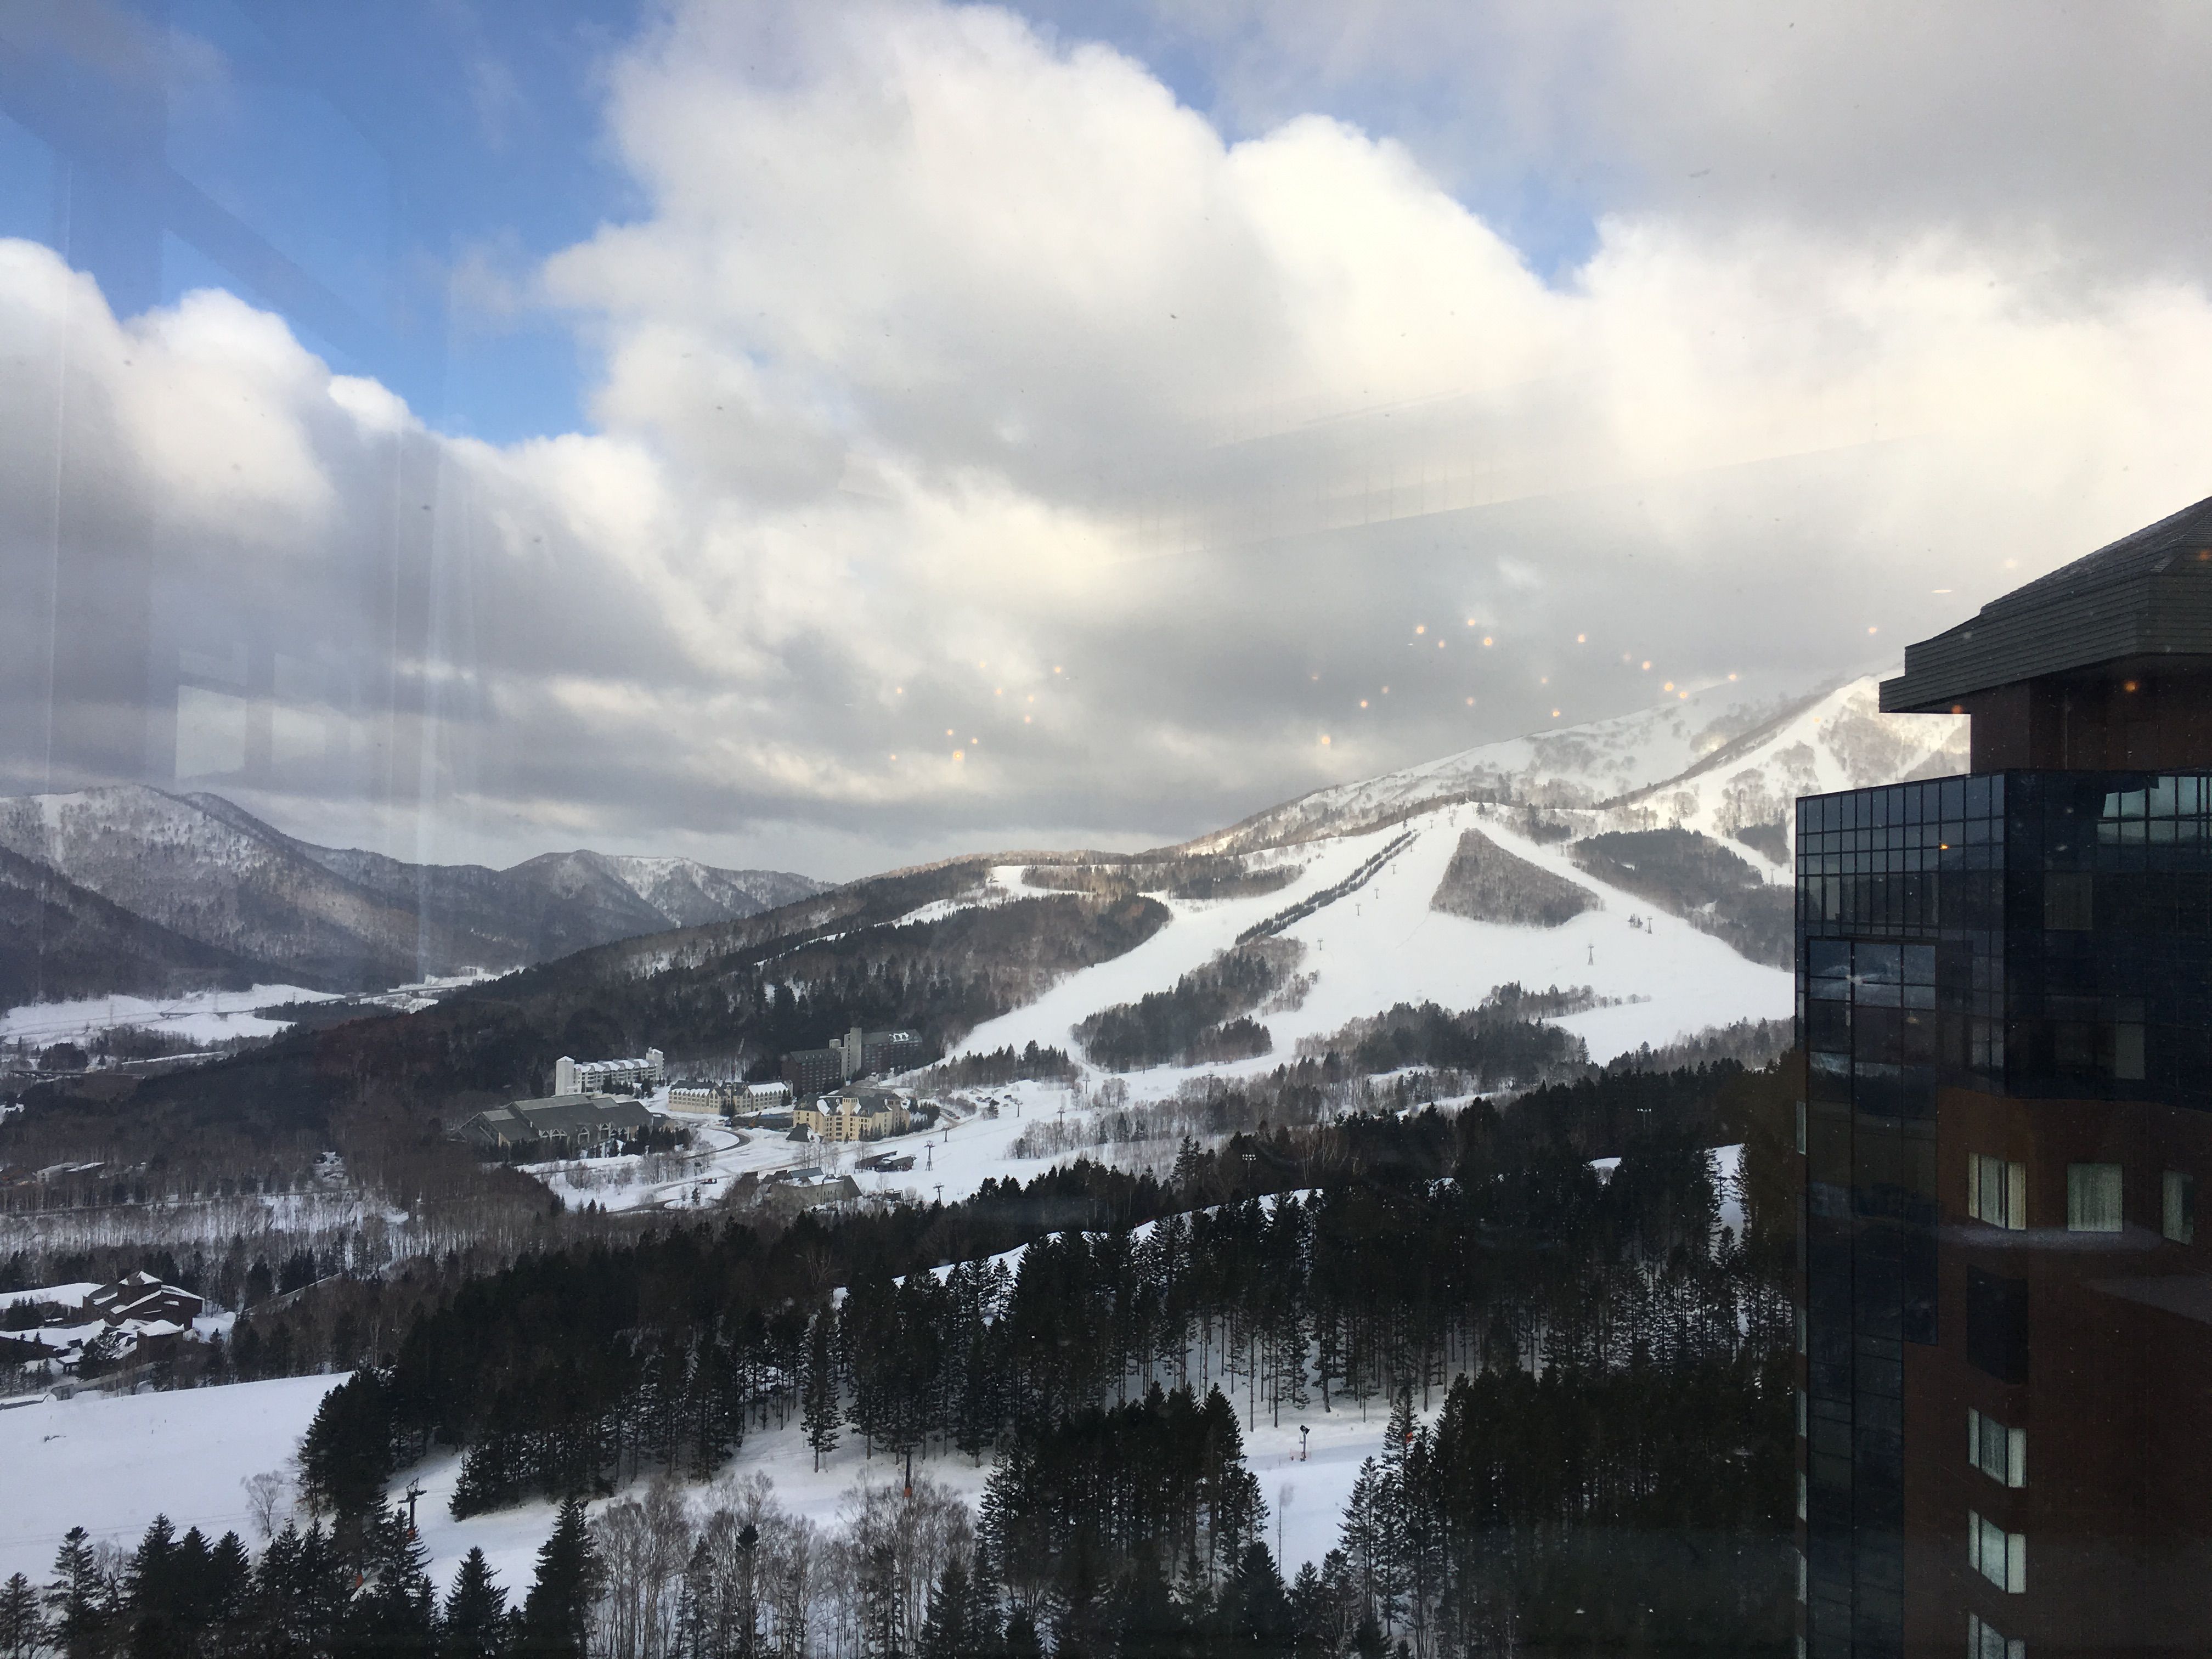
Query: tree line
x=358, y=1591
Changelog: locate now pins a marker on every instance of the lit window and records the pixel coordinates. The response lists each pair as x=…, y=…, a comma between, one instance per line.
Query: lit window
x=2093, y=1198
x=1984, y=1642
x=2179, y=1222
x=1999, y=1556
x=1997, y=1451
x=1997, y=1192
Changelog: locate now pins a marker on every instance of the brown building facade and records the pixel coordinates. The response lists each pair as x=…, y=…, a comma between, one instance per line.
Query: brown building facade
x=2005, y=996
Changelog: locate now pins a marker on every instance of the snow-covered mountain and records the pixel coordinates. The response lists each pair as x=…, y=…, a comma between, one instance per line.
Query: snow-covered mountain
x=1729, y=754
x=1617, y=809
x=204, y=870
x=689, y=892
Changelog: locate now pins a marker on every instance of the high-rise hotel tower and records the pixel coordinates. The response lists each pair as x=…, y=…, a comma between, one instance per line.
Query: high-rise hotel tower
x=2004, y=986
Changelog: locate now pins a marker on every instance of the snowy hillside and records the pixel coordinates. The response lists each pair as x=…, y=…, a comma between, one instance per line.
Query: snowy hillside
x=1787, y=739
x=1382, y=943
x=689, y=893
x=1839, y=740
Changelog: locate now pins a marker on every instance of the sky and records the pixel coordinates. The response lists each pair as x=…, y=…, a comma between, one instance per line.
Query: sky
x=831, y=436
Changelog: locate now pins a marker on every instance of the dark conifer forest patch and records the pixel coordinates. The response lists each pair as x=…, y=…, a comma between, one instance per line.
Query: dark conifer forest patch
x=1485, y=882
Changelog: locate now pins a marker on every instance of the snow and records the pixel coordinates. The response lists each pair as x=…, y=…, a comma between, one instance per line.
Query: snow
x=1582, y=765
x=203, y=1017
x=1382, y=944
x=111, y=1465
x=67, y=1295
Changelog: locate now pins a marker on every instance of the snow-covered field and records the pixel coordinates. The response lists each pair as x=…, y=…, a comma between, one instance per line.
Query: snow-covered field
x=201, y=1018
x=110, y=1466
x=958, y=1155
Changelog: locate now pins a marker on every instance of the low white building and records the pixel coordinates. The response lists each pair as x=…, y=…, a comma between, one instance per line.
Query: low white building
x=599, y=1077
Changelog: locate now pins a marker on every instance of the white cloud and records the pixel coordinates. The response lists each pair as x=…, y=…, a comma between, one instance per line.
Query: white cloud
x=963, y=390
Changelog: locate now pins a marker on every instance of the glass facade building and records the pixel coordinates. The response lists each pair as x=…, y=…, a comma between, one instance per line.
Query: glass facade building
x=2004, y=995
x=2004, y=1005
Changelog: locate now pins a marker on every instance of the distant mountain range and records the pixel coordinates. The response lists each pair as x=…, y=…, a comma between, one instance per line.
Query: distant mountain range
x=1721, y=759
x=132, y=889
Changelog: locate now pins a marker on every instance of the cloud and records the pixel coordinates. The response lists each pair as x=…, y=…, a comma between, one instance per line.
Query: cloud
x=988, y=448
x=2070, y=130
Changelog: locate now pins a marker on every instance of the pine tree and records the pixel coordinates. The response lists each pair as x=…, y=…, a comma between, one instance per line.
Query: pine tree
x=159, y=1592
x=982, y=1630
x=818, y=1399
x=346, y=1457
x=944, y=1626
x=395, y=1613
x=79, y=1598
x=1022, y=1641
x=474, y=1625
x=556, y=1613
x=23, y=1626
x=229, y=1595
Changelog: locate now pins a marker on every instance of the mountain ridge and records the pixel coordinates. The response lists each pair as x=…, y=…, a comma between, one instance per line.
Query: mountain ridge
x=201, y=868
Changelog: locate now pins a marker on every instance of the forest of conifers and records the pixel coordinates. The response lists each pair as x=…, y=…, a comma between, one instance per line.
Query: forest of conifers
x=1579, y=1386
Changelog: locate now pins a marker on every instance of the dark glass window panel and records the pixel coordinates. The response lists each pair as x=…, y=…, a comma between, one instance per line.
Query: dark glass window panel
x=1996, y=1325
x=2068, y=901
x=1828, y=1078
x=1828, y=1026
x=1919, y=964
x=1877, y=1033
x=1877, y=963
x=1876, y=1089
x=1828, y=959
x=1916, y=1089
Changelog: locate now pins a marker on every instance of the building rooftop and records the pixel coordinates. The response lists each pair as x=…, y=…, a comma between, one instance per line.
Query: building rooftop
x=2148, y=595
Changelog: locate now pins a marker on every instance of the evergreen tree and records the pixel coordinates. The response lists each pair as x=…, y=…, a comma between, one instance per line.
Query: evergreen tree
x=229, y=1600
x=1254, y=1615
x=346, y=1455
x=1022, y=1640
x=818, y=1399
x=1153, y=1625
x=474, y=1625
x=944, y=1626
x=80, y=1599
x=396, y=1612
x=982, y=1629
x=22, y=1625
x=556, y=1613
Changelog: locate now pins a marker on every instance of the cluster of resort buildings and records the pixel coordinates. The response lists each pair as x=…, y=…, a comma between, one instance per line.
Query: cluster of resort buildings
x=598, y=1106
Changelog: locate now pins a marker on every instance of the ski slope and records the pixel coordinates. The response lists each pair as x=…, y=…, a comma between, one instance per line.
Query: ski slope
x=201, y=1017
x=1382, y=944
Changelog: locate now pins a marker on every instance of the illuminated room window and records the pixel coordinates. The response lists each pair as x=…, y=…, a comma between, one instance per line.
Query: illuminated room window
x=1986, y=1641
x=1998, y=1451
x=1999, y=1556
x=1997, y=1192
x=2093, y=1198
x=2178, y=1210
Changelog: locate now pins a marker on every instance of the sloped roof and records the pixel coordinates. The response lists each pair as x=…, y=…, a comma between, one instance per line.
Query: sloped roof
x=2147, y=594
x=560, y=1114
